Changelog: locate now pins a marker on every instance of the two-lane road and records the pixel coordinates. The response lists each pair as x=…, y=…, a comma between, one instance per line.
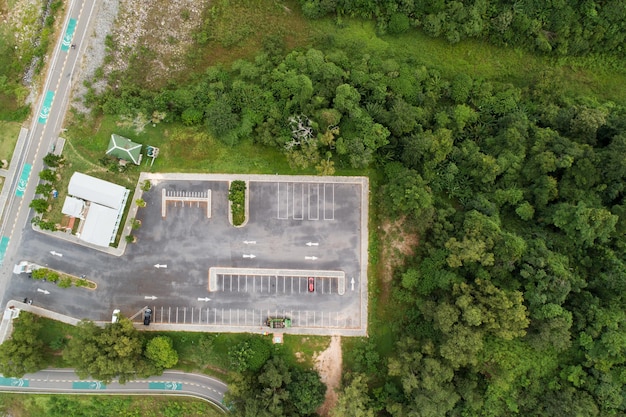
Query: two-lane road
x=169, y=383
x=45, y=127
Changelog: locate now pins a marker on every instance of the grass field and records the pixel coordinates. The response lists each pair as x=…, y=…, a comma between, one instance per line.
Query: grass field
x=580, y=76
x=9, y=131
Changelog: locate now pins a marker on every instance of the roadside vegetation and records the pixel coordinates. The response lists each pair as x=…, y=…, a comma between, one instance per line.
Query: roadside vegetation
x=25, y=38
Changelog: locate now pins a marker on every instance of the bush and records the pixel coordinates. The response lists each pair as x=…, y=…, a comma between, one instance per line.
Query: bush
x=398, y=23
x=65, y=282
x=237, y=197
x=53, y=277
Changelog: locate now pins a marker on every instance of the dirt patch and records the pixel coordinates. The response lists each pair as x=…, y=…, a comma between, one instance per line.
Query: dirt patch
x=398, y=243
x=161, y=30
x=329, y=365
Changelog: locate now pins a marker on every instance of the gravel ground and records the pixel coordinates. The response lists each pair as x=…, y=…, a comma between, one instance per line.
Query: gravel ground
x=164, y=27
x=95, y=51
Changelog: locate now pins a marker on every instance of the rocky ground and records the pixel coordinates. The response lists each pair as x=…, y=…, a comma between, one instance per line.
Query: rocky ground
x=163, y=27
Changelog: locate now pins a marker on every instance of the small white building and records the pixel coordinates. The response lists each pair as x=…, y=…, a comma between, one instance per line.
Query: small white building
x=99, y=204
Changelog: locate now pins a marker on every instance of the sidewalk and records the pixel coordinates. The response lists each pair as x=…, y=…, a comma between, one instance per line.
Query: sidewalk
x=13, y=310
x=9, y=175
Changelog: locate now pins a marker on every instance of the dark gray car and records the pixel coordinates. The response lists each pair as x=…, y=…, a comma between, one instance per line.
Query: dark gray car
x=147, y=317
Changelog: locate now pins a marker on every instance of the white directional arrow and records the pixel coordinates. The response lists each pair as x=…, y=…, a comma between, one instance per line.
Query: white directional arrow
x=250, y=242
x=43, y=291
x=150, y=297
x=160, y=266
x=309, y=244
x=204, y=299
x=53, y=253
x=249, y=256
x=352, y=282
x=310, y=258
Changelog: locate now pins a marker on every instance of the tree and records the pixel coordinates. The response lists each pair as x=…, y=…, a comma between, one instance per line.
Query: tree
x=306, y=391
x=23, y=352
x=354, y=400
x=52, y=160
x=398, y=23
x=106, y=354
x=40, y=205
x=220, y=118
x=48, y=175
x=160, y=351
x=44, y=189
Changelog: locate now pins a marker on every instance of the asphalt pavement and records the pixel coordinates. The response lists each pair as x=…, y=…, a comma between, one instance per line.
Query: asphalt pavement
x=55, y=381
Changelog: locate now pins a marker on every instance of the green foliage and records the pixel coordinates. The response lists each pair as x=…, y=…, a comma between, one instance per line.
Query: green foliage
x=114, y=352
x=23, y=352
x=237, y=197
x=398, y=23
x=146, y=185
x=40, y=205
x=275, y=390
x=44, y=189
x=53, y=160
x=250, y=354
x=161, y=353
x=48, y=175
x=65, y=282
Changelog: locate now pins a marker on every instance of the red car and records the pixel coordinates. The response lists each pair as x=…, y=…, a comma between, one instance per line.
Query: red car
x=311, y=284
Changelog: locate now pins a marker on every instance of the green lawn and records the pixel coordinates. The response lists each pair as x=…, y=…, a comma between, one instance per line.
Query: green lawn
x=9, y=131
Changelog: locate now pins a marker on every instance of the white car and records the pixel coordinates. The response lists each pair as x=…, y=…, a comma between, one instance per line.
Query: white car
x=116, y=315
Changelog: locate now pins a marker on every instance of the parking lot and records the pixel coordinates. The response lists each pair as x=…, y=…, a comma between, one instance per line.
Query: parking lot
x=297, y=227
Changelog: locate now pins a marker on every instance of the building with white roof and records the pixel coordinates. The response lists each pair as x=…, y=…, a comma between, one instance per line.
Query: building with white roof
x=100, y=206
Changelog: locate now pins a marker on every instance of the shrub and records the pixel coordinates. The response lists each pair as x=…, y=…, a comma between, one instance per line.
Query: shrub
x=398, y=23
x=237, y=197
x=65, y=282
x=52, y=276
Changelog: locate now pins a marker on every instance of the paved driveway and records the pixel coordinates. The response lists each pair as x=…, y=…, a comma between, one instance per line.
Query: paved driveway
x=298, y=227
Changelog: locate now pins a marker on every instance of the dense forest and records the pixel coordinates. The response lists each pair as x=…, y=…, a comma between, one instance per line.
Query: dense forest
x=514, y=301
x=565, y=27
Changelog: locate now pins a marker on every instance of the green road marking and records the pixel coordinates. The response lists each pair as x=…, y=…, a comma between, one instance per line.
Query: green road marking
x=45, y=109
x=88, y=385
x=171, y=386
x=13, y=382
x=4, y=242
x=21, y=184
x=69, y=34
